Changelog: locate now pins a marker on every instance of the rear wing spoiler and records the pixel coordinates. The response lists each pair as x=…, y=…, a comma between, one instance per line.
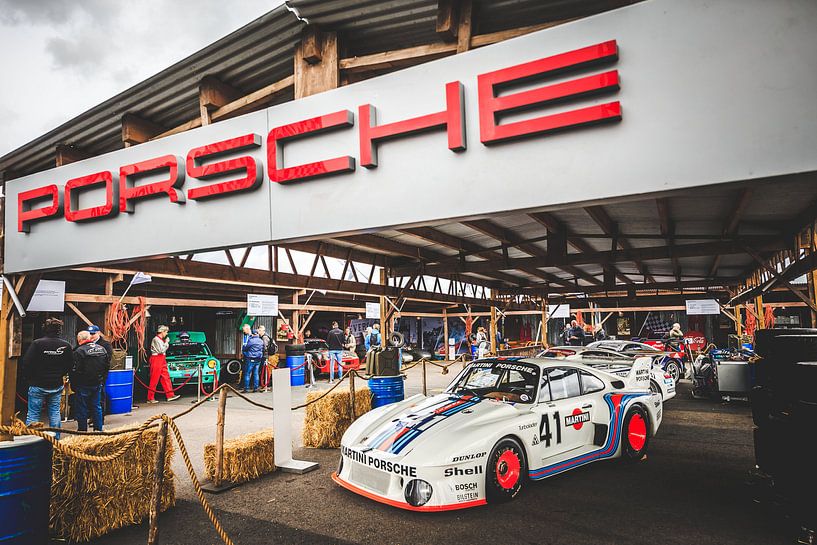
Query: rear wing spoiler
x=639, y=375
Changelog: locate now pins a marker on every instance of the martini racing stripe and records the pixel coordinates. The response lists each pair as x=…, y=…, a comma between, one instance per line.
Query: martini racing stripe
x=397, y=437
x=617, y=404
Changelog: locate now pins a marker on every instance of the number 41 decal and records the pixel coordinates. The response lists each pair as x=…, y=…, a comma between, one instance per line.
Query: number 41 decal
x=544, y=429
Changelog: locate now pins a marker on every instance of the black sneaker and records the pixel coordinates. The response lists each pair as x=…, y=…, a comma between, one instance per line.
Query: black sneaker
x=255, y=391
x=245, y=391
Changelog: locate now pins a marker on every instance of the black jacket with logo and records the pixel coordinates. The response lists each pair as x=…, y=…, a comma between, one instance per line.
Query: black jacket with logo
x=90, y=366
x=336, y=339
x=108, y=348
x=46, y=361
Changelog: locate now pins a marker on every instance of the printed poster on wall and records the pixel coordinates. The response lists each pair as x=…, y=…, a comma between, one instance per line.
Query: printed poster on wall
x=262, y=305
x=373, y=311
x=48, y=297
x=696, y=307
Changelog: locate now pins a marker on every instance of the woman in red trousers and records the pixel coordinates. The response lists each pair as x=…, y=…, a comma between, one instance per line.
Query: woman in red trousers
x=158, y=366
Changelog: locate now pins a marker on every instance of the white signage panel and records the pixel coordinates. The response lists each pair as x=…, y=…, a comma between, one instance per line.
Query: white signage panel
x=262, y=305
x=559, y=311
x=48, y=297
x=697, y=307
x=373, y=310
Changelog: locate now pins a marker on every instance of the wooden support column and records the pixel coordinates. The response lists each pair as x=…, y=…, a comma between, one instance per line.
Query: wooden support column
x=812, y=276
x=385, y=330
x=295, y=318
x=136, y=130
x=761, y=317
x=8, y=366
x=447, y=19
x=464, y=29
x=316, y=62
x=739, y=320
x=445, y=334
x=493, y=330
x=67, y=153
x=213, y=94
x=544, y=323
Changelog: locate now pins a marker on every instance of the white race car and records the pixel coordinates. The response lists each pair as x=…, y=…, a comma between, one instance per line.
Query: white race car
x=501, y=422
x=617, y=363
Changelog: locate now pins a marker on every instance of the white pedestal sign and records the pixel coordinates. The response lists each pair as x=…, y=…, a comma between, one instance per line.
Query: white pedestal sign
x=282, y=425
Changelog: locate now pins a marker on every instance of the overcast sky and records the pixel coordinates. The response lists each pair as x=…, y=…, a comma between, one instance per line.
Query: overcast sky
x=61, y=57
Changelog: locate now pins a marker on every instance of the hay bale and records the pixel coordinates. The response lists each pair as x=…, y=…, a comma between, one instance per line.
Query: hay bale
x=328, y=419
x=246, y=457
x=91, y=499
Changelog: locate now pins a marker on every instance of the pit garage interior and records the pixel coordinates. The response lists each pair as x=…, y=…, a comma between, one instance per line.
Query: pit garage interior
x=749, y=243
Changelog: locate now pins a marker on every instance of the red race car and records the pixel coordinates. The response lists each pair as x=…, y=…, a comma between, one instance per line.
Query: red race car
x=319, y=350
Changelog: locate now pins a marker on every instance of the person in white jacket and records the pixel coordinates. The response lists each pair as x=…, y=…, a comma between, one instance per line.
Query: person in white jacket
x=158, y=366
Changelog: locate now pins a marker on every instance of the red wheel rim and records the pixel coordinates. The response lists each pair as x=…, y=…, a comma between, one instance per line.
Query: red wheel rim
x=508, y=469
x=637, y=432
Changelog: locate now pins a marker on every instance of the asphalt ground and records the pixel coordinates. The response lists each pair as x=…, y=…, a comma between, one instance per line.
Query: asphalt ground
x=690, y=489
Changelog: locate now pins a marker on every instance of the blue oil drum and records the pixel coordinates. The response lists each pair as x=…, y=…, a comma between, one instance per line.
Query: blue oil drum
x=119, y=391
x=295, y=361
x=25, y=490
x=386, y=390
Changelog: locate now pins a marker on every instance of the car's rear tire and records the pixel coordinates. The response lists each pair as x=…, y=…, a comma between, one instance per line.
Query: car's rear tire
x=674, y=369
x=655, y=389
x=635, y=435
x=506, y=471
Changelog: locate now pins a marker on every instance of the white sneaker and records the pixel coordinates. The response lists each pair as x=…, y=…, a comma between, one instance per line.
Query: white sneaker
x=152, y=401
x=174, y=398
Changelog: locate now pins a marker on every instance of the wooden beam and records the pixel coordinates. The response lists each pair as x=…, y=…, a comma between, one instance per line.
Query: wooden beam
x=213, y=94
x=668, y=230
x=447, y=19
x=311, y=44
x=69, y=153
x=8, y=366
x=610, y=227
x=319, y=76
x=732, y=222
x=465, y=26
x=136, y=130
x=78, y=312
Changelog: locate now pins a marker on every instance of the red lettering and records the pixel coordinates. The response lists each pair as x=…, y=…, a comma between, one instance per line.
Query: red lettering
x=74, y=187
x=452, y=118
x=128, y=174
x=280, y=135
x=250, y=166
x=491, y=105
x=27, y=199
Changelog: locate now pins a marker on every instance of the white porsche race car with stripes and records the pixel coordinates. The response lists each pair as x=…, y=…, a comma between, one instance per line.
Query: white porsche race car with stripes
x=501, y=423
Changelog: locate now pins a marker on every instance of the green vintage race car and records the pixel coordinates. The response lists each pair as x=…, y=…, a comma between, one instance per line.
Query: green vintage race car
x=188, y=350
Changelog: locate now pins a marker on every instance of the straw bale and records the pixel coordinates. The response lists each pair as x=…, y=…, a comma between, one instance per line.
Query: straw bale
x=91, y=499
x=246, y=457
x=328, y=419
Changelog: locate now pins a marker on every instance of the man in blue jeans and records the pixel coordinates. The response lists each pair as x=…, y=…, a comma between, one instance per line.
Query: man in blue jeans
x=87, y=376
x=253, y=356
x=44, y=365
x=336, y=340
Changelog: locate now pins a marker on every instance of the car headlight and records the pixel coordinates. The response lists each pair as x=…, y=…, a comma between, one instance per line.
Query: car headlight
x=418, y=492
x=211, y=364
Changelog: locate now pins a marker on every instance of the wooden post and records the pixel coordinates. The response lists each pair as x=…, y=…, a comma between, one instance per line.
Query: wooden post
x=761, y=317
x=352, y=395
x=8, y=366
x=425, y=380
x=295, y=316
x=316, y=63
x=385, y=332
x=158, y=479
x=222, y=408
x=739, y=320
x=492, y=331
x=464, y=29
x=445, y=335
x=544, y=323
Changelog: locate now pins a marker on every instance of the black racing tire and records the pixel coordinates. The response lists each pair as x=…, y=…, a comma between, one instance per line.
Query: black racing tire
x=397, y=339
x=770, y=342
x=635, y=434
x=674, y=368
x=760, y=400
x=804, y=374
x=506, y=471
x=656, y=389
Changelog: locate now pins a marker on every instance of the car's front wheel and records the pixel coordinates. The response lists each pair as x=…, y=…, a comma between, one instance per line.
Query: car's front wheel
x=506, y=471
x=635, y=436
x=655, y=389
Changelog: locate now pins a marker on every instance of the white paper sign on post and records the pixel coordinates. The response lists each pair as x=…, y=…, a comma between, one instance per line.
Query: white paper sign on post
x=262, y=305
x=48, y=297
x=561, y=310
x=373, y=310
x=696, y=307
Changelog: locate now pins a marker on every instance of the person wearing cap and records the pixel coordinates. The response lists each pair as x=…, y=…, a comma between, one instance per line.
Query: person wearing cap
x=158, y=366
x=86, y=376
x=96, y=337
x=253, y=356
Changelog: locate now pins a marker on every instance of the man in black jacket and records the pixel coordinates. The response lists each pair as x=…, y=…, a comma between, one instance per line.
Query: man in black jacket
x=336, y=341
x=96, y=337
x=87, y=376
x=44, y=365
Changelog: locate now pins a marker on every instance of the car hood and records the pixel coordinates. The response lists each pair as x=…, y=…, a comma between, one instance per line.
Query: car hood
x=428, y=427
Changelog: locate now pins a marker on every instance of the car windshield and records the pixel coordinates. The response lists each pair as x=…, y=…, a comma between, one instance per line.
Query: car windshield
x=317, y=345
x=513, y=381
x=192, y=349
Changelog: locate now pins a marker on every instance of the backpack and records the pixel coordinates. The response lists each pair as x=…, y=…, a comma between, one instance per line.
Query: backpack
x=373, y=339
